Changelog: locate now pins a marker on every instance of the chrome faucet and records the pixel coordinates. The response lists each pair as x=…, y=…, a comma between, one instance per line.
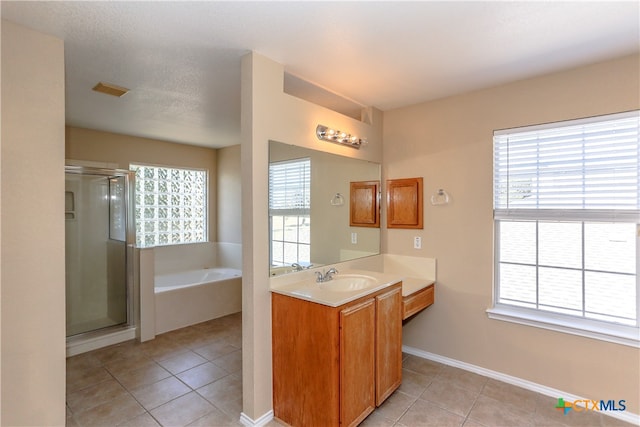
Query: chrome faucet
x=325, y=277
x=297, y=266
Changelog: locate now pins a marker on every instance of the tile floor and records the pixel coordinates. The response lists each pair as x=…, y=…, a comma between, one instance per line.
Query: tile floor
x=192, y=377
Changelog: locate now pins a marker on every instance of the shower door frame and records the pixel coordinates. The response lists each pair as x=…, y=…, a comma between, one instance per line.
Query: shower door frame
x=130, y=239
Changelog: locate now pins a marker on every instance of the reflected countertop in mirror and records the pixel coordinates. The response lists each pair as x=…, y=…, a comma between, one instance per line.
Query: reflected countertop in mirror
x=309, y=225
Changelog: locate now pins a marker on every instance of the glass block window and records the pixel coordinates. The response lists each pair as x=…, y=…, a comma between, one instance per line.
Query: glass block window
x=170, y=205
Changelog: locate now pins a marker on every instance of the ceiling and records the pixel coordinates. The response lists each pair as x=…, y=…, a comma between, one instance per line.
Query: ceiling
x=181, y=60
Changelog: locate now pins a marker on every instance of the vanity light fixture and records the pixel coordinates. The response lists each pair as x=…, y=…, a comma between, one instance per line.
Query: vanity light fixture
x=325, y=133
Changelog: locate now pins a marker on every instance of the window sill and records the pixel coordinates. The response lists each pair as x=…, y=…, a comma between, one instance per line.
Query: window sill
x=623, y=335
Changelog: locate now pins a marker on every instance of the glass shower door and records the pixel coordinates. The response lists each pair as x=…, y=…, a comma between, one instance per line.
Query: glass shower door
x=96, y=251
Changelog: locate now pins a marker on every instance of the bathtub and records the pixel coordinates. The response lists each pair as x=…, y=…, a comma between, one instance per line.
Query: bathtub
x=194, y=296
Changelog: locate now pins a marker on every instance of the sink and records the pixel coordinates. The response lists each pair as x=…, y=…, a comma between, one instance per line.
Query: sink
x=349, y=283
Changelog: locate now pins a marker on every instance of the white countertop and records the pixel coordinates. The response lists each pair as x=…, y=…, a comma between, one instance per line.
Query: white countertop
x=413, y=284
x=308, y=289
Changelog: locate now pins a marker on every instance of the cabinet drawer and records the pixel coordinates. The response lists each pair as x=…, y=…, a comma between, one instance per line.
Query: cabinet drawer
x=411, y=304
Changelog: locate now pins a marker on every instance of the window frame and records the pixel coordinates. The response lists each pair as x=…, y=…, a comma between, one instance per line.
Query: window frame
x=134, y=165
x=549, y=320
x=303, y=212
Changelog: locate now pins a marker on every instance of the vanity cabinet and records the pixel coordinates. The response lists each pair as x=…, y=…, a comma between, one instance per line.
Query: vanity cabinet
x=333, y=365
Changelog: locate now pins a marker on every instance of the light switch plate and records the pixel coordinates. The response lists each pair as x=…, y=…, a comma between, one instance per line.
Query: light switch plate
x=417, y=242
x=354, y=238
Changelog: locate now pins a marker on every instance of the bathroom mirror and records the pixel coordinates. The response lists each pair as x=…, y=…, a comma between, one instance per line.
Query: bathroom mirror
x=309, y=208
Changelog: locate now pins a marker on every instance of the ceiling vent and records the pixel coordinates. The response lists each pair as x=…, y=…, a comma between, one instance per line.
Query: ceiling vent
x=110, y=89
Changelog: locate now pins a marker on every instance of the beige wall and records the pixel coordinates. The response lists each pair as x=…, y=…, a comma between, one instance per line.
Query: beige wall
x=229, y=195
x=106, y=147
x=449, y=142
x=270, y=114
x=33, y=318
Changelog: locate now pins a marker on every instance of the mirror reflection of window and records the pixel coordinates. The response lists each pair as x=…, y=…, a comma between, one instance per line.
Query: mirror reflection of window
x=289, y=212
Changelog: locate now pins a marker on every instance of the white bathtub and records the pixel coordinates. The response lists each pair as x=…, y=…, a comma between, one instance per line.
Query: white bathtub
x=194, y=296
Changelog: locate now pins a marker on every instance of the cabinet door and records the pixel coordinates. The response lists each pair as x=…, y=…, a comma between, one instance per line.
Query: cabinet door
x=388, y=343
x=364, y=210
x=357, y=362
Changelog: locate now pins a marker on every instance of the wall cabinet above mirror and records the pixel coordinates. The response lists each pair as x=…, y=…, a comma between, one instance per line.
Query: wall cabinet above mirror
x=308, y=226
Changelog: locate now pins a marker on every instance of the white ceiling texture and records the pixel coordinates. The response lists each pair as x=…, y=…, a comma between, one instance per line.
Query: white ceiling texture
x=181, y=60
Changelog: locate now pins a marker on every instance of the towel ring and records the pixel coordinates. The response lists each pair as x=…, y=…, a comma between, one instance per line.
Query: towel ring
x=337, y=200
x=440, y=198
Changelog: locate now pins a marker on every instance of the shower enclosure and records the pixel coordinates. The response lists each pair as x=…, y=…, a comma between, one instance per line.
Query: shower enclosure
x=98, y=242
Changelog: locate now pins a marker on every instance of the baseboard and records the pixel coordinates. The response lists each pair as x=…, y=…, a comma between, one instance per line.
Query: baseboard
x=245, y=420
x=629, y=417
x=85, y=344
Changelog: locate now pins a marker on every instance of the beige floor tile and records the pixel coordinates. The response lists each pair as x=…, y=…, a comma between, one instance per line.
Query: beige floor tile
x=608, y=421
x=111, y=413
x=182, y=411
x=182, y=362
x=71, y=422
x=231, y=362
x=447, y=396
x=83, y=361
x=215, y=350
x=162, y=348
x=541, y=421
x=463, y=379
x=120, y=366
x=94, y=395
x=153, y=395
x=234, y=338
x=225, y=394
x=424, y=414
x=375, y=419
x=143, y=376
x=472, y=423
x=118, y=351
x=143, y=420
x=511, y=395
x=395, y=406
x=79, y=379
x=413, y=383
x=217, y=418
x=422, y=366
x=491, y=412
x=202, y=375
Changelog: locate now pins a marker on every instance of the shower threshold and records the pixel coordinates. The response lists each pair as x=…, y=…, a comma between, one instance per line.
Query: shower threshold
x=82, y=343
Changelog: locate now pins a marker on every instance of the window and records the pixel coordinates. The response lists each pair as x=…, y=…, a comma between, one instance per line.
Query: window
x=289, y=208
x=566, y=211
x=170, y=205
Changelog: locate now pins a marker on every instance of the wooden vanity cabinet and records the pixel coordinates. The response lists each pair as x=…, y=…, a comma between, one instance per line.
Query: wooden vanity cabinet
x=333, y=365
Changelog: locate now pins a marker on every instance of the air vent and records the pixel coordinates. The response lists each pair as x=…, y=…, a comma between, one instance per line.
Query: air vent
x=110, y=89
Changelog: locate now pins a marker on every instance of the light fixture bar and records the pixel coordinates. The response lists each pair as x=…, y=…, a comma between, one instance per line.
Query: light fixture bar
x=325, y=133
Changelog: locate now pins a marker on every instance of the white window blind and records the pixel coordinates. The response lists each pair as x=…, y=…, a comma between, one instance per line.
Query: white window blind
x=290, y=187
x=585, y=168
x=567, y=209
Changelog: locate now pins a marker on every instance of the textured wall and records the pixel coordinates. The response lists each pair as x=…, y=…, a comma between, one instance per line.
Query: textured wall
x=449, y=142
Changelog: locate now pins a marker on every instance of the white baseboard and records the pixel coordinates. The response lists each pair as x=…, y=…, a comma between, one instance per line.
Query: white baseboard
x=83, y=345
x=245, y=420
x=629, y=417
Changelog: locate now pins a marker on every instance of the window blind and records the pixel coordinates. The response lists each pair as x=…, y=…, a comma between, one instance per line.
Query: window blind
x=290, y=187
x=583, y=169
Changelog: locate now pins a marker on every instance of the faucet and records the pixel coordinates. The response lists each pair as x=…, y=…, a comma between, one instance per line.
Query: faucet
x=297, y=266
x=325, y=277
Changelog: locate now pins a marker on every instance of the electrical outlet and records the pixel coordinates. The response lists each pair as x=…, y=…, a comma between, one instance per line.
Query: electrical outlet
x=354, y=238
x=417, y=242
